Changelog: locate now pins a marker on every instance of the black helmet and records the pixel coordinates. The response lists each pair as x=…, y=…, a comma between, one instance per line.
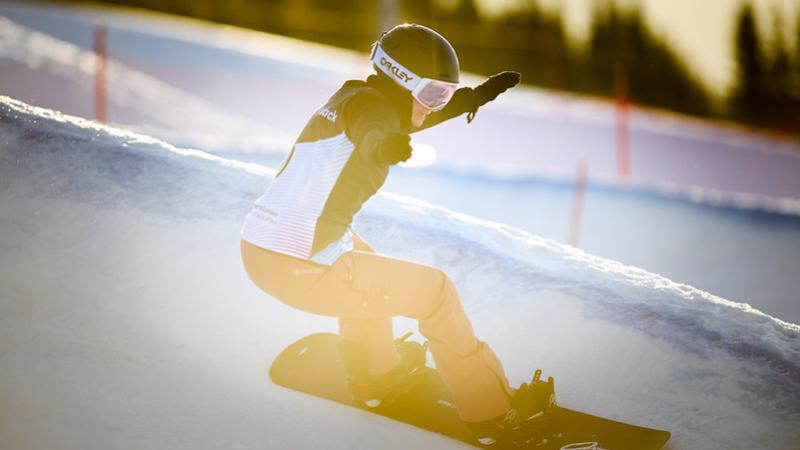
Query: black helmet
x=419, y=49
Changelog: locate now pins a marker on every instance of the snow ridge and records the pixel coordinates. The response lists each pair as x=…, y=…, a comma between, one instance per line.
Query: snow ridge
x=513, y=283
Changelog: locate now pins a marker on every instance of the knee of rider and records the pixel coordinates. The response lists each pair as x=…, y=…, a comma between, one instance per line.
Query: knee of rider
x=448, y=293
x=445, y=297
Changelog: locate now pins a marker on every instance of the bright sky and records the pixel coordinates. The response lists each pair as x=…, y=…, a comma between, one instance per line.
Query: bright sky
x=702, y=31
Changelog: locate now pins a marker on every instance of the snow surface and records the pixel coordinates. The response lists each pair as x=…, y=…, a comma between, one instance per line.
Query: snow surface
x=708, y=205
x=126, y=320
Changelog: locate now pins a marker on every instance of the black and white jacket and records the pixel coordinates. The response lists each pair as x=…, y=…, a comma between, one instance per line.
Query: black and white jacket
x=334, y=167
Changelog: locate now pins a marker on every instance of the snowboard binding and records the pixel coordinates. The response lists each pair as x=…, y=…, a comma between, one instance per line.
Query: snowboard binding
x=531, y=413
x=374, y=392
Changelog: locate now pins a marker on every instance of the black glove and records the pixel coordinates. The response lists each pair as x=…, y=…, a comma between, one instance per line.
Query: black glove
x=489, y=90
x=494, y=86
x=395, y=148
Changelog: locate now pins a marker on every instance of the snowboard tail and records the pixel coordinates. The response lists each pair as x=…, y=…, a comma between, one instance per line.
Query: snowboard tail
x=312, y=365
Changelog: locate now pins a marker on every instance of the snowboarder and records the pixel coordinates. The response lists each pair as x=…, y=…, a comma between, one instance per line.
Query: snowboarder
x=298, y=244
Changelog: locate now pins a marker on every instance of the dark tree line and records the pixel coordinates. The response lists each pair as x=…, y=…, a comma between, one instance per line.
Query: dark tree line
x=621, y=47
x=622, y=50
x=767, y=90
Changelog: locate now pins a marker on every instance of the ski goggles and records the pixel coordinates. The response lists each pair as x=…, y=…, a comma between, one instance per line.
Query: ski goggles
x=430, y=93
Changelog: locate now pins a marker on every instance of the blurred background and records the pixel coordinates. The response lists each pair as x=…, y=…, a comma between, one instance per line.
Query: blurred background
x=661, y=134
x=729, y=59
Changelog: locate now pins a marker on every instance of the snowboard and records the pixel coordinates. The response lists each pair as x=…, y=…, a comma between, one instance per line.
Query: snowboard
x=312, y=365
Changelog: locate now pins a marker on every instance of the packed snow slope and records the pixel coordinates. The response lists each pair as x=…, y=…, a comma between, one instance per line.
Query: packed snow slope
x=126, y=320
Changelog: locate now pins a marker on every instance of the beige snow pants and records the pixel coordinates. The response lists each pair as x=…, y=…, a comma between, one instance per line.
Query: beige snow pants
x=365, y=290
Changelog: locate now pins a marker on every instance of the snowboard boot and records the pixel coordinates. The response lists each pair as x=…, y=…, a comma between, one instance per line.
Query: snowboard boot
x=375, y=391
x=531, y=409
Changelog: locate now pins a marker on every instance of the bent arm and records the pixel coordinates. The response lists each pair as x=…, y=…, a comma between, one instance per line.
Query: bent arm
x=368, y=121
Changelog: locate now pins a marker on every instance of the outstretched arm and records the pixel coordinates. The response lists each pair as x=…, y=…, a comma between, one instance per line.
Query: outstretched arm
x=463, y=101
x=468, y=100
